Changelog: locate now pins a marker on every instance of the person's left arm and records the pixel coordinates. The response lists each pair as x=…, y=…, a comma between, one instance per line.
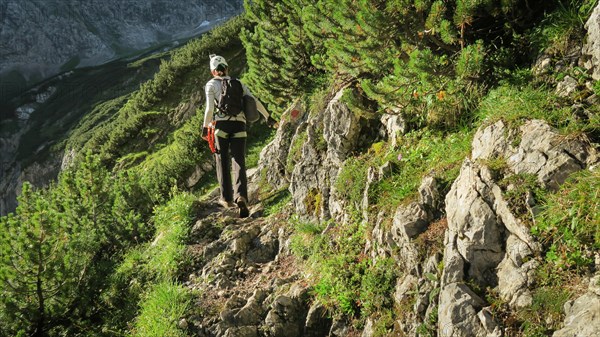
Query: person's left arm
x=260, y=107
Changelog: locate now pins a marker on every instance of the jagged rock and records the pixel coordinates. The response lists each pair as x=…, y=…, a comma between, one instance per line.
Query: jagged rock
x=567, y=86
x=541, y=151
x=273, y=158
x=264, y=247
x=583, y=315
x=381, y=242
x=339, y=328
x=253, y=312
x=242, y=331
x=543, y=65
x=459, y=313
x=405, y=286
x=546, y=153
x=331, y=135
x=286, y=317
x=473, y=223
x=487, y=243
x=368, y=330
x=429, y=194
x=341, y=129
x=317, y=322
x=514, y=276
x=410, y=220
x=395, y=126
x=591, y=49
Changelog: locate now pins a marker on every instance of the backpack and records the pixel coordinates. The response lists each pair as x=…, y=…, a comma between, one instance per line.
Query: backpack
x=230, y=103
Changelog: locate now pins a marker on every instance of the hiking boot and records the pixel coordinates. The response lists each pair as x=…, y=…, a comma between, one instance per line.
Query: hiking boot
x=226, y=204
x=241, y=203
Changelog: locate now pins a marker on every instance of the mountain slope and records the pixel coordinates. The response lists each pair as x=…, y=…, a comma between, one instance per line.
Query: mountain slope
x=383, y=206
x=42, y=38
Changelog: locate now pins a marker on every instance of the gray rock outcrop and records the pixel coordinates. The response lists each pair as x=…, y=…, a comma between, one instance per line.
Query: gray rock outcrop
x=591, y=48
x=274, y=156
x=486, y=243
x=331, y=135
x=583, y=314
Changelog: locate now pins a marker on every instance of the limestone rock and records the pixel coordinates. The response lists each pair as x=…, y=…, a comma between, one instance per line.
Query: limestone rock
x=410, y=220
x=566, y=87
x=341, y=129
x=591, y=49
x=473, y=223
x=317, y=322
x=429, y=194
x=332, y=134
x=514, y=275
x=273, y=157
x=286, y=317
x=583, y=316
x=459, y=313
x=541, y=151
x=395, y=126
x=368, y=330
x=487, y=243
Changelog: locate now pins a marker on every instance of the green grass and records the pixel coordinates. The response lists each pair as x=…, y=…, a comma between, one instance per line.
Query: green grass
x=514, y=105
x=172, y=223
x=561, y=26
x=143, y=285
x=277, y=202
x=165, y=305
x=545, y=313
x=569, y=224
x=344, y=279
x=419, y=153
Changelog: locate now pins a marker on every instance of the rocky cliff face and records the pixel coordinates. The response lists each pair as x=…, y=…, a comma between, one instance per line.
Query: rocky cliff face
x=39, y=37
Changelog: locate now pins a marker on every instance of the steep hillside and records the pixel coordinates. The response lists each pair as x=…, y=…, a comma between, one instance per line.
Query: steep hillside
x=440, y=180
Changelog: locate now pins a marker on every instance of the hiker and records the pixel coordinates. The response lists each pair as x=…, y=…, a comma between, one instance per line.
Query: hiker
x=225, y=123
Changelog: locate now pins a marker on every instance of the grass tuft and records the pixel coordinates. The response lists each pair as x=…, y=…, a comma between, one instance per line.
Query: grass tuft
x=161, y=311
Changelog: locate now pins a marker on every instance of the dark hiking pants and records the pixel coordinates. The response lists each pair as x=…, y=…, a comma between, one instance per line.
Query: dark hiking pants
x=231, y=147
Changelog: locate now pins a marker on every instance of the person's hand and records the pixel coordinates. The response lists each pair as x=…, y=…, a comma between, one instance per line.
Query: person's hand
x=205, y=133
x=272, y=123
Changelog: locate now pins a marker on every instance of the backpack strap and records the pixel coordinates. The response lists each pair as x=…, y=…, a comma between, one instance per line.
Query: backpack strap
x=218, y=99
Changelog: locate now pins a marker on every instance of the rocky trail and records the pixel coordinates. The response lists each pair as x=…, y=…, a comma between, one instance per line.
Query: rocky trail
x=246, y=280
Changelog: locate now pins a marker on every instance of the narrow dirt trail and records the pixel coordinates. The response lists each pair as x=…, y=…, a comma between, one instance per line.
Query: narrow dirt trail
x=244, y=280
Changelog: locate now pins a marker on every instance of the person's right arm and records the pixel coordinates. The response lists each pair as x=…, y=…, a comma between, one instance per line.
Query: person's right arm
x=210, y=108
x=210, y=103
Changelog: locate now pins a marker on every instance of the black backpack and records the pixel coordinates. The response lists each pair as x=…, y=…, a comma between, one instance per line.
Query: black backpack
x=230, y=103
